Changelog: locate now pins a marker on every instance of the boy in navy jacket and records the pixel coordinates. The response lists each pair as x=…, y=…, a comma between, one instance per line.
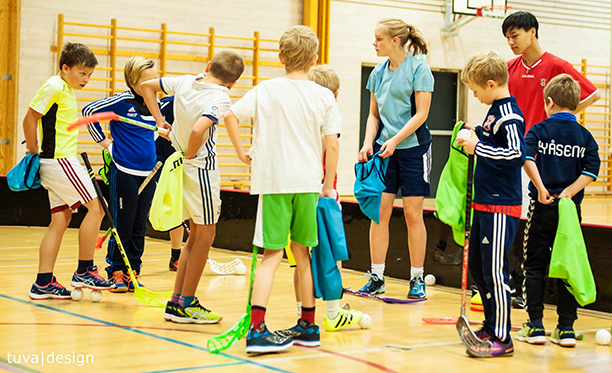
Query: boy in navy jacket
x=499, y=144
x=562, y=159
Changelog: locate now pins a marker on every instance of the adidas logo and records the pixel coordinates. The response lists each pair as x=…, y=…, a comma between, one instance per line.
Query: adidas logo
x=485, y=241
x=132, y=112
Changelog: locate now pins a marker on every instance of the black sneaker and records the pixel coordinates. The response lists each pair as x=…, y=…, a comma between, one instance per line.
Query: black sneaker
x=564, y=336
x=170, y=310
x=260, y=341
x=375, y=285
x=518, y=302
x=302, y=333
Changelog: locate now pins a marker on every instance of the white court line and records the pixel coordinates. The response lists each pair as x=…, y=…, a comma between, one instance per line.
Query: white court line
x=362, y=351
x=30, y=247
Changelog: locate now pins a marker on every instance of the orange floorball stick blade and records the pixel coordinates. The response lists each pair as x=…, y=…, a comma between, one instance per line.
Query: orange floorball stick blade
x=98, y=117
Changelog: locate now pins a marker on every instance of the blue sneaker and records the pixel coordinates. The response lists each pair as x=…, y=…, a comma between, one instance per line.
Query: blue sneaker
x=130, y=284
x=90, y=279
x=531, y=334
x=417, y=288
x=260, y=341
x=54, y=290
x=375, y=284
x=303, y=334
x=564, y=336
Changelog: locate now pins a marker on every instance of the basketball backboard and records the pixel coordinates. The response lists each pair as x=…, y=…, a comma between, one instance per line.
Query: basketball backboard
x=469, y=7
x=458, y=13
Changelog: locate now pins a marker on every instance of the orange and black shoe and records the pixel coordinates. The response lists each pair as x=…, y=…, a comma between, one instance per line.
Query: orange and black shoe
x=128, y=281
x=173, y=266
x=118, y=280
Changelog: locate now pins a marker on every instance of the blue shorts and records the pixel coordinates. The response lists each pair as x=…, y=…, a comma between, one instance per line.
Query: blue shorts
x=408, y=169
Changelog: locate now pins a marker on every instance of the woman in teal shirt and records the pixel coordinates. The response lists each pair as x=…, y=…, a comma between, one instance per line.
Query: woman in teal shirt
x=401, y=90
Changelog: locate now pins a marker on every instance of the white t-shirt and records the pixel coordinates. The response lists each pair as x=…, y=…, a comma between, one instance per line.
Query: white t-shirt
x=290, y=117
x=194, y=99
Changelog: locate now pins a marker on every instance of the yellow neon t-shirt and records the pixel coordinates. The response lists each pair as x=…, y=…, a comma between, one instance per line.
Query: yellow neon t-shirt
x=56, y=101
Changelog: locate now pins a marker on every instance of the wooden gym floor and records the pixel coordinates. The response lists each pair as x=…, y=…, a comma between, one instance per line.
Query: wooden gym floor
x=121, y=335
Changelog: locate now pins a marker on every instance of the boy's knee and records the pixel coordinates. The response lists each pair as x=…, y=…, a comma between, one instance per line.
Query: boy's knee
x=95, y=208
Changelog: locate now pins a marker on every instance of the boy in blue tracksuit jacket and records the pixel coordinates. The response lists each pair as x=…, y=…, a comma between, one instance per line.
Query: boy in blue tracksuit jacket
x=562, y=159
x=134, y=156
x=499, y=145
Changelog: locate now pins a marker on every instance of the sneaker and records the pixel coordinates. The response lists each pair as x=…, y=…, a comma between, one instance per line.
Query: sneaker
x=375, y=284
x=194, y=314
x=303, y=334
x=344, y=318
x=502, y=349
x=518, y=302
x=129, y=283
x=498, y=348
x=483, y=334
x=90, y=279
x=531, y=334
x=564, y=336
x=417, y=288
x=118, y=281
x=54, y=290
x=173, y=266
x=170, y=310
x=260, y=341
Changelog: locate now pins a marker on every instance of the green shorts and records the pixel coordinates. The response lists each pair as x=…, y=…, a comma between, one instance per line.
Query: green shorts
x=281, y=214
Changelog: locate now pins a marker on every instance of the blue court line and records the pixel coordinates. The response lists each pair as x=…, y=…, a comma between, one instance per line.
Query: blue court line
x=181, y=343
x=194, y=368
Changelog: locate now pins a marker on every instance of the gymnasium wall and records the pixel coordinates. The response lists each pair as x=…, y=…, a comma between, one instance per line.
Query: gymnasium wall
x=570, y=29
x=228, y=17
x=352, y=35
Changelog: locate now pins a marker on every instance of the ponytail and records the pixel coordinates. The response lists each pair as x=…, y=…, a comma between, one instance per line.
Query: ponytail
x=410, y=37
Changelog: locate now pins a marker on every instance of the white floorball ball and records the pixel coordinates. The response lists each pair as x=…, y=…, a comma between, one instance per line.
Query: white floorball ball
x=430, y=280
x=240, y=269
x=365, y=321
x=76, y=294
x=603, y=337
x=95, y=296
x=464, y=133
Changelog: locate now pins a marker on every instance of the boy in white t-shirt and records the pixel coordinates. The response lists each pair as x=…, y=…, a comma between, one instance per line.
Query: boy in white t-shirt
x=199, y=103
x=290, y=115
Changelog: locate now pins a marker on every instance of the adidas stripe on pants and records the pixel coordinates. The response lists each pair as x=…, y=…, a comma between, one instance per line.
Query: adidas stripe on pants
x=491, y=240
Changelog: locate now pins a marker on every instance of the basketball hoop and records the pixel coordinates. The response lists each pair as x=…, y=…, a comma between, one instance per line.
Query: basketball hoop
x=492, y=11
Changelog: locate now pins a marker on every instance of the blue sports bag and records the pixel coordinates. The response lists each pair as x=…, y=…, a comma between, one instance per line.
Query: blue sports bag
x=370, y=184
x=24, y=176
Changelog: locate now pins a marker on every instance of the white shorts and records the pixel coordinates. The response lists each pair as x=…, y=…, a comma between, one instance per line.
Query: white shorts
x=201, y=194
x=68, y=183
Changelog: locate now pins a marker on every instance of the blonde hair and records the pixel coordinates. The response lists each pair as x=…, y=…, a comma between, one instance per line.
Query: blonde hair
x=396, y=28
x=227, y=66
x=325, y=76
x=485, y=66
x=564, y=91
x=134, y=68
x=299, y=47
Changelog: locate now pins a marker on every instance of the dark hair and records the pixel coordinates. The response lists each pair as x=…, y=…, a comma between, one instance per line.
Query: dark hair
x=227, y=66
x=518, y=20
x=77, y=54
